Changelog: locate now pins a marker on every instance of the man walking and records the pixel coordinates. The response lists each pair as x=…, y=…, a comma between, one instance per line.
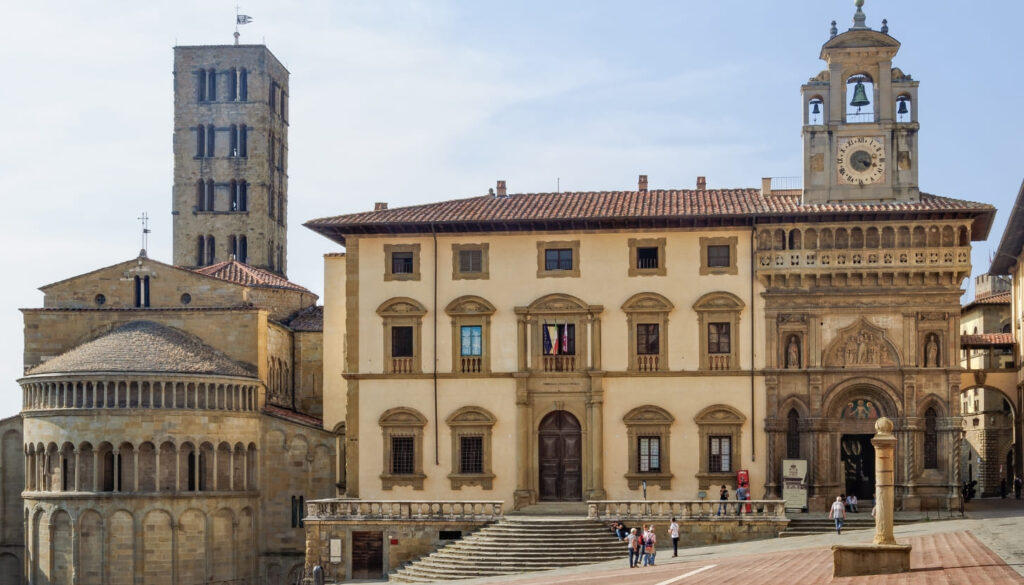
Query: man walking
x=673, y=531
x=838, y=512
x=634, y=551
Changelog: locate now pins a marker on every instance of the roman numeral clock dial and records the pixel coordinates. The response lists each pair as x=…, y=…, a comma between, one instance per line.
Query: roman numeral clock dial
x=860, y=161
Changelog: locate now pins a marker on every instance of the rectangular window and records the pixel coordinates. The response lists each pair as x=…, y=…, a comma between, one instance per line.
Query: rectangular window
x=472, y=340
x=402, y=455
x=471, y=454
x=471, y=261
x=649, y=450
x=718, y=256
x=719, y=454
x=718, y=338
x=647, y=257
x=647, y=339
x=559, y=339
x=401, y=342
x=558, y=259
x=401, y=263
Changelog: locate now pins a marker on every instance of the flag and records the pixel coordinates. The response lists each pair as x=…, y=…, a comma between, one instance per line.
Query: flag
x=547, y=340
x=552, y=334
x=243, y=19
x=565, y=338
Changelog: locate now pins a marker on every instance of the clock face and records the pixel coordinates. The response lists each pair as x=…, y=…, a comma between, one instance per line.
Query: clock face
x=861, y=161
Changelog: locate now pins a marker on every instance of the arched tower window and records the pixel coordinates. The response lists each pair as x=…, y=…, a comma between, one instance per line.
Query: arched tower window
x=233, y=245
x=200, y=250
x=280, y=209
x=233, y=150
x=243, y=249
x=816, y=111
x=211, y=141
x=860, y=99
x=931, y=440
x=793, y=435
x=243, y=85
x=270, y=201
x=243, y=141
x=201, y=85
x=201, y=141
x=904, y=108
x=209, y=195
x=200, y=195
x=211, y=248
x=232, y=85
x=211, y=85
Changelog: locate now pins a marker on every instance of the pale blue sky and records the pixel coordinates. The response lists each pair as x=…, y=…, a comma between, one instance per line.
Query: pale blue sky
x=411, y=102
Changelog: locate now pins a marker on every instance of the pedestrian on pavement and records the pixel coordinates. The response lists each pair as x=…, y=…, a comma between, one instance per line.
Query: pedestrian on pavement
x=838, y=512
x=742, y=494
x=723, y=496
x=651, y=547
x=631, y=546
x=1002, y=488
x=1017, y=483
x=673, y=531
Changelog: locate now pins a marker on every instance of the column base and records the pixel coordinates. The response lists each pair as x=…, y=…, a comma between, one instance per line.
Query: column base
x=851, y=560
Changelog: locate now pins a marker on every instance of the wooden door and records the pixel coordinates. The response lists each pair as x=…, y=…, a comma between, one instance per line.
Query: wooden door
x=561, y=457
x=367, y=555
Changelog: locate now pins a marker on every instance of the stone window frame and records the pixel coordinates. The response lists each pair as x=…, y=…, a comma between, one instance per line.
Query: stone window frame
x=647, y=308
x=648, y=421
x=391, y=249
x=719, y=307
x=732, y=268
x=560, y=308
x=402, y=312
x=485, y=263
x=719, y=420
x=471, y=421
x=635, y=244
x=544, y=246
x=471, y=310
x=402, y=421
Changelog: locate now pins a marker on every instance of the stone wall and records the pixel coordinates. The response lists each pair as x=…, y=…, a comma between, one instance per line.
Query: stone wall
x=12, y=480
x=309, y=374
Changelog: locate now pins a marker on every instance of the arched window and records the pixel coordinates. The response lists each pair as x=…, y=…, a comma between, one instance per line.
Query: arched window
x=201, y=85
x=211, y=85
x=201, y=141
x=860, y=96
x=270, y=254
x=815, y=111
x=200, y=195
x=211, y=141
x=243, y=146
x=200, y=250
x=241, y=196
x=233, y=136
x=793, y=435
x=232, y=85
x=243, y=249
x=904, y=108
x=209, y=195
x=233, y=246
x=211, y=248
x=280, y=208
x=931, y=440
x=243, y=85
x=270, y=201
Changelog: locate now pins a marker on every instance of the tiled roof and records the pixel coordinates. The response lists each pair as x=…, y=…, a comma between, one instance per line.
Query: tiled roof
x=606, y=207
x=240, y=273
x=987, y=339
x=997, y=299
x=292, y=415
x=145, y=346
x=308, y=319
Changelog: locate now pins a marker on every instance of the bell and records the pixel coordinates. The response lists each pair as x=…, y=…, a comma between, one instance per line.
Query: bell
x=902, y=109
x=815, y=109
x=860, y=97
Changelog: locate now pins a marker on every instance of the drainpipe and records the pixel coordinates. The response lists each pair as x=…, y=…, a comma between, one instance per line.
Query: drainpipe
x=753, y=453
x=433, y=354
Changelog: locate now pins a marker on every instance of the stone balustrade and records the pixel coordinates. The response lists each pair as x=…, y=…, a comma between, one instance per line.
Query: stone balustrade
x=198, y=393
x=847, y=259
x=686, y=509
x=363, y=510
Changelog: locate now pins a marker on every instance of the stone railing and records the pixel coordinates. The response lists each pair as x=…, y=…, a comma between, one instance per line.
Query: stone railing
x=559, y=363
x=463, y=510
x=686, y=509
x=647, y=363
x=845, y=259
x=401, y=365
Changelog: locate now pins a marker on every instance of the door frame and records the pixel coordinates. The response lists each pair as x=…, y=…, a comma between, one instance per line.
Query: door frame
x=583, y=451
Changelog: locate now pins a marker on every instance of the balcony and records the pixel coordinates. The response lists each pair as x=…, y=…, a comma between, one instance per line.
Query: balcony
x=719, y=361
x=471, y=364
x=789, y=260
x=401, y=365
x=558, y=363
x=647, y=363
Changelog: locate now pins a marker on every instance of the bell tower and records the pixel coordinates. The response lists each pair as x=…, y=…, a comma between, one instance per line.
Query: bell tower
x=860, y=120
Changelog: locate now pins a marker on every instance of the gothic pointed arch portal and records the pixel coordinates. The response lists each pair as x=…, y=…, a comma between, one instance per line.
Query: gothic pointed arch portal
x=855, y=408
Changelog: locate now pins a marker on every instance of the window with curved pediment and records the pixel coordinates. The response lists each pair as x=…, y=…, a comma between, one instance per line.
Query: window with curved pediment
x=471, y=334
x=471, y=447
x=402, y=430
x=647, y=430
x=720, y=428
x=718, y=317
x=559, y=327
x=647, y=324
x=402, y=345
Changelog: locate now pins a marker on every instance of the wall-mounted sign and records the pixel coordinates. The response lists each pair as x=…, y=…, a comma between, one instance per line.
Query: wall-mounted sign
x=335, y=550
x=794, y=483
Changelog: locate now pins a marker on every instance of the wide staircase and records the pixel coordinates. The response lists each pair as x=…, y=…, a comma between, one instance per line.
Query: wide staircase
x=802, y=525
x=518, y=544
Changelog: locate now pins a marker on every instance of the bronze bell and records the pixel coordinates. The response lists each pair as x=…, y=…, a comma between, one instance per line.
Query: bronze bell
x=860, y=97
x=902, y=108
x=815, y=109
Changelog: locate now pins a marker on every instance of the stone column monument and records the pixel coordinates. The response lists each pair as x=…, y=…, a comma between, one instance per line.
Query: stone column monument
x=884, y=555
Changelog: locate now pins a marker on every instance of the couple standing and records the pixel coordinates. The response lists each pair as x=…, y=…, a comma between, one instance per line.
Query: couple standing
x=645, y=545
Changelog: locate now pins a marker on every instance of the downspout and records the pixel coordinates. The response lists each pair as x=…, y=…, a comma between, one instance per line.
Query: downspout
x=753, y=263
x=433, y=354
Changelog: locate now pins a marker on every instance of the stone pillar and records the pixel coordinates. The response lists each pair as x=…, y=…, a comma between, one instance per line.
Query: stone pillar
x=117, y=470
x=885, y=446
x=521, y=332
x=523, y=495
x=595, y=406
x=78, y=472
x=595, y=336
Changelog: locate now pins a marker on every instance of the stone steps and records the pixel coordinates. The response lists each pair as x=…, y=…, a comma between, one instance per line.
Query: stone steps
x=804, y=526
x=516, y=545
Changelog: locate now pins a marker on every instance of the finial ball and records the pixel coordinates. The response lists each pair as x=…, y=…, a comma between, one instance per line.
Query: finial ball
x=858, y=3
x=883, y=426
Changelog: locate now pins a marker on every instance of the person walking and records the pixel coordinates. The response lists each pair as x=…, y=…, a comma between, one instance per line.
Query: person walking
x=673, y=531
x=1017, y=483
x=652, y=546
x=631, y=546
x=838, y=512
x=723, y=496
x=742, y=494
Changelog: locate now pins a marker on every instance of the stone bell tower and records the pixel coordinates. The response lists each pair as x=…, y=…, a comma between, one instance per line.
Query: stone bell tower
x=860, y=120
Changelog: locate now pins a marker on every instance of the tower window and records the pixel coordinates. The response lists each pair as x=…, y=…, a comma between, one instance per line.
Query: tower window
x=210, y=249
x=239, y=195
x=201, y=141
x=860, y=94
x=243, y=249
x=200, y=250
x=200, y=195
x=273, y=95
x=233, y=150
x=201, y=85
x=280, y=209
x=243, y=85
x=232, y=85
x=211, y=85
x=816, y=111
x=270, y=201
x=233, y=246
x=209, y=195
x=141, y=291
x=211, y=140
x=904, y=108
x=243, y=141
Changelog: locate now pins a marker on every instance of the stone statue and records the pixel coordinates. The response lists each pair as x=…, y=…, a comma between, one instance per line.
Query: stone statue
x=862, y=349
x=931, y=351
x=793, y=353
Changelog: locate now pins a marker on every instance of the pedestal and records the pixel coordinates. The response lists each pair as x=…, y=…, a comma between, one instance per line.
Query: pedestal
x=850, y=560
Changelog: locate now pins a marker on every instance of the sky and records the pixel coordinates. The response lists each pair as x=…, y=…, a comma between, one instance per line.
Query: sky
x=416, y=101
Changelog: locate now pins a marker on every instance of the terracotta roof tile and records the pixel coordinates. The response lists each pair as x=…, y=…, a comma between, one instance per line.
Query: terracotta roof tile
x=622, y=205
x=292, y=415
x=997, y=299
x=308, y=319
x=987, y=339
x=240, y=273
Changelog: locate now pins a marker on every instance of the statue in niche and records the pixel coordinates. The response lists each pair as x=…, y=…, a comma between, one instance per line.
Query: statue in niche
x=931, y=352
x=793, y=352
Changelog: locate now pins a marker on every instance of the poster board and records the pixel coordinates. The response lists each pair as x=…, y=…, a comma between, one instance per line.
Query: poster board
x=794, y=483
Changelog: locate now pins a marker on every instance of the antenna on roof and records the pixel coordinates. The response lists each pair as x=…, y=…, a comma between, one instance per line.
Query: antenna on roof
x=558, y=184
x=144, y=219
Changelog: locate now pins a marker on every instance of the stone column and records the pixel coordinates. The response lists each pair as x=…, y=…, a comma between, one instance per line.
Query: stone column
x=595, y=406
x=885, y=445
x=117, y=470
x=521, y=331
x=595, y=344
x=522, y=496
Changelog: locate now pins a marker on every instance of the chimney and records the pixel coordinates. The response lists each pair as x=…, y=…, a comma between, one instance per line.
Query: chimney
x=380, y=206
x=642, y=183
x=702, y=183
x=501, y=189
x=766, y=185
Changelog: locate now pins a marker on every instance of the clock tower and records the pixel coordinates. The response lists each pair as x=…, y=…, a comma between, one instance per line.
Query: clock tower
x=860, y=121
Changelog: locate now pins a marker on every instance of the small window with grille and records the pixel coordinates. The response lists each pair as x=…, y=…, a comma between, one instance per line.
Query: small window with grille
x=401, y=263
x=719, y=454
x=471, y=454
x=647, y=258
x=718, y=256
x=403, y=455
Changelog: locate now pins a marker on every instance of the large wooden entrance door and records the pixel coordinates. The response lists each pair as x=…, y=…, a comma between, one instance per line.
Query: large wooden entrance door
x=367, y=555
x=858, y=455
x=560, y=444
